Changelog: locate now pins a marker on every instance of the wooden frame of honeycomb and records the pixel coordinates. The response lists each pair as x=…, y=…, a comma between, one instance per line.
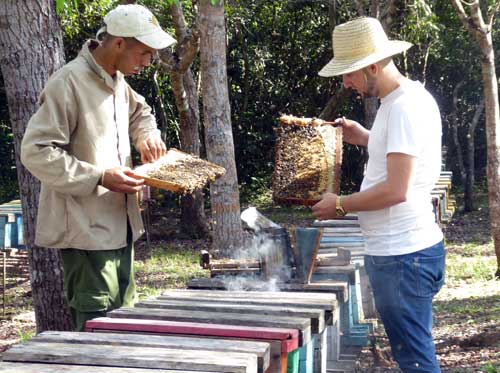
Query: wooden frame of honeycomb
x=307, y=162
x=179, y=172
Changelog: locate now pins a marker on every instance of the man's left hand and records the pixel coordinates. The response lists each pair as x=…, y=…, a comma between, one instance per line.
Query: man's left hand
x=325, y=209
x=151, y=149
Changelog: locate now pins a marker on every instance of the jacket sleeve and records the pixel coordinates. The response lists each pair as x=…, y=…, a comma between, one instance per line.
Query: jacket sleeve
x=44, y=149
x=142, y=121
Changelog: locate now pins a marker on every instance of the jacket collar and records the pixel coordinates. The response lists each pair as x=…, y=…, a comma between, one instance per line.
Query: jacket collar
x=98, y=69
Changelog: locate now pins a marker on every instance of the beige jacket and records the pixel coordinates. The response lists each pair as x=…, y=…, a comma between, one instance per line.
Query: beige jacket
x=82, y=128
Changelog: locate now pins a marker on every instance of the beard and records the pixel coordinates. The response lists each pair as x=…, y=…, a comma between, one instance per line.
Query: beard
x=371, y=87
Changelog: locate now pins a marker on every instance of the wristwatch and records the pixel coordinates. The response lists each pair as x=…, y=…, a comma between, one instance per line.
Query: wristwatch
x=339, y=210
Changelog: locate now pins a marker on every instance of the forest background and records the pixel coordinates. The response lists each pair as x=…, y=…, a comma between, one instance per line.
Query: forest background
x=274, y=51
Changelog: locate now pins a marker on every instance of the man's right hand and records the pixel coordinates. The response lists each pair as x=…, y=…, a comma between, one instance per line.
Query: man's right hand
x=119, y=180
x=353, y=132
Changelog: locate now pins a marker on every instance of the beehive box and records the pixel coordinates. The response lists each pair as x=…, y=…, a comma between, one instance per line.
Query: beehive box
x=179, y=172
x=308, y=161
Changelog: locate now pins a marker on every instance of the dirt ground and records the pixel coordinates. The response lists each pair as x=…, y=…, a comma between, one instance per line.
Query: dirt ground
x=467, y=315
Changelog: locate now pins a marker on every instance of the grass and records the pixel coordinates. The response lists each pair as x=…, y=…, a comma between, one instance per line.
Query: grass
x=25, y=336
x=169, y=266
x=470, y=262
x=490, y=368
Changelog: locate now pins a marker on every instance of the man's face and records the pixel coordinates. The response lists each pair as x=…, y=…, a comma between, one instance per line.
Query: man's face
x=362, y=82
x=134, y=57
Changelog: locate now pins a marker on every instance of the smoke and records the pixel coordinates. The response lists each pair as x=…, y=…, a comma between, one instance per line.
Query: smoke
x=269, y=246
x=249, y=283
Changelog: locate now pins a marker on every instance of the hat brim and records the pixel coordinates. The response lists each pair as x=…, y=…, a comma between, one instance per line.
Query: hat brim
x=157, y=40
x=340, y=67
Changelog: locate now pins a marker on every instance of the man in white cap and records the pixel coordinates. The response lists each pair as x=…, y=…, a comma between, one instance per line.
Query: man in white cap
x=404, y=244
x=78, y=145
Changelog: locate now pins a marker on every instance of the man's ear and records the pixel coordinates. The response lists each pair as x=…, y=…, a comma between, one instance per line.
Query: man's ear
x=119, y=44
x=373, y=69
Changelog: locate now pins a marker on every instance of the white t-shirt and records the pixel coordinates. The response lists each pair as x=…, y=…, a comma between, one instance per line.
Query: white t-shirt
x=408, y=121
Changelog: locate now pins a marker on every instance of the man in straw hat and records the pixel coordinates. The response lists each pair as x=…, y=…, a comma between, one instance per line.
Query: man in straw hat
x=404, y=245
x=78, y=145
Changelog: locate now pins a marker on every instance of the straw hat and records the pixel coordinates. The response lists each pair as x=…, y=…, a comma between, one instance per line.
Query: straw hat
x=359, y=43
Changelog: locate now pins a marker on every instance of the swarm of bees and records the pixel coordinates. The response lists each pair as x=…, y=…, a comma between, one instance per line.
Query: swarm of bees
x=308, y=159
x=192, y=173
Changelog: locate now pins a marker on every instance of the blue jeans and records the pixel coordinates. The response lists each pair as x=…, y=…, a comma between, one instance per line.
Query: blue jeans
x=403, y=287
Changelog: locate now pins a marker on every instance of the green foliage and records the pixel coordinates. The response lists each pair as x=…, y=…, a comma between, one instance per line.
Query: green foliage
x=275, y=50
x=490, y=368
x=25, y=336
x=81, y=19
x=8, y=176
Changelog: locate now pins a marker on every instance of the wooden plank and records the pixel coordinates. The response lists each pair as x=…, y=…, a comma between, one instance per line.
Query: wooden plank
x=342, y=239
x=279, y=308
x=343, y=246
x=337, y=223
x=341, y=228
x=317, y=316
x=356, y=252
x=279, y=299
x=303, y=325
x=347, y=270
x=132, y=357
x=332, y=261
x=329, y=241
x=336, y=288
x=261, y=349
x=289, y=337
x=298, y=297
x=11, y=367
x=333, y=233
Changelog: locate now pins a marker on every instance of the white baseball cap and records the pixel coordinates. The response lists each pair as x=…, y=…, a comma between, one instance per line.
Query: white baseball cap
x=136, y=21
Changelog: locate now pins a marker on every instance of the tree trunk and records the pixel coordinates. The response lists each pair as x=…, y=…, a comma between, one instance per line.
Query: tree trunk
x=492, y=139
x=31, y=49
x=332, y=14
x=481, y=31
x=193, y=219
x=454, y=124
x=224, y=194
x=471, y=147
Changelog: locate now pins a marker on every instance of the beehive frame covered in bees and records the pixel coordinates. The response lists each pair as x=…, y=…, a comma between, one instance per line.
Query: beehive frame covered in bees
x=179, y=172
x=308, y=161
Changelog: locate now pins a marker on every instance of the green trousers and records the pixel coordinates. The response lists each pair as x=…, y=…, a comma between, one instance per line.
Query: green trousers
x=98, y=281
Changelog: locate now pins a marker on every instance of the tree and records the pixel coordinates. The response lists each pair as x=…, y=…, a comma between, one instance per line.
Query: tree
x=31, y=49
x=193, y=221
x=482, y=33
x=224, y=193
x=466, y=167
